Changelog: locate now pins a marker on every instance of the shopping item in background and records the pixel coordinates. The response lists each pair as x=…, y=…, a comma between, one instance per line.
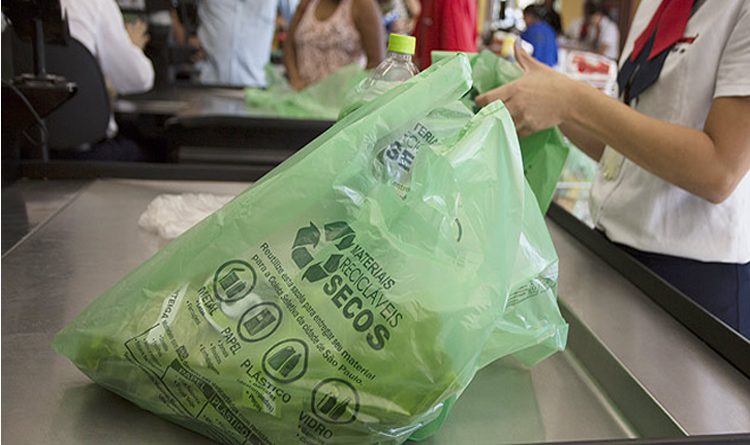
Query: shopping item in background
x=320, y=101
x=574, y=186
x=324, y=304
x=503, y=45
x=594, y=69
x=397, y=67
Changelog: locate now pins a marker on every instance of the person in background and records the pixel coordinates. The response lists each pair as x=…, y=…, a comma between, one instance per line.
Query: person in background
x=326, y=35
x=118, y=46
x=390, y=10
x=552, y=17
x=445, y=25
x=234, y=40
x=540, y=34
x=673, y=188
x=287, y=9
x=595, y=31
x=399, y=15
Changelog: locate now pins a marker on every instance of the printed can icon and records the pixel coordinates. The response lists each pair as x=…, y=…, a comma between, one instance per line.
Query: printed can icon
x=233, y=281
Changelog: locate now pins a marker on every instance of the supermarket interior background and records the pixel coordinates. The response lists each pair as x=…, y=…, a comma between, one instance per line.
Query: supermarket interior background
x=171, y=162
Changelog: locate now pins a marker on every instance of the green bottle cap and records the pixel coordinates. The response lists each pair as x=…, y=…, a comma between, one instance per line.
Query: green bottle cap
x=399, y=43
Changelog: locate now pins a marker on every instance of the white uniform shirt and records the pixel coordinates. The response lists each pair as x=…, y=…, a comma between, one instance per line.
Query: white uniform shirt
x=638, y=209
x=236, y=36
x=609, y=36
x=99, y=26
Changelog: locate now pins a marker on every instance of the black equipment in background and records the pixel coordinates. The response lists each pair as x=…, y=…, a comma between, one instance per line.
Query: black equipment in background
x=67, y=85
x=84, y=118
x=35, y=94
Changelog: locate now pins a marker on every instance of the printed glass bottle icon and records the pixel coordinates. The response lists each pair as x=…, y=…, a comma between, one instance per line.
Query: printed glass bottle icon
x=332, y=407
x=259, y=321
x=335, y=401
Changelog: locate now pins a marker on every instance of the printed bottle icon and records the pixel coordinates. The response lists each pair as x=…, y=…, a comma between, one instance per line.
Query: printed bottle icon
x=259, y=321
x=232, y=284
x=326, y=404
x=290, y=364
x=279, y=357
x=335, y=401
x=339, y=409
x=331, y=407
x=284, y=361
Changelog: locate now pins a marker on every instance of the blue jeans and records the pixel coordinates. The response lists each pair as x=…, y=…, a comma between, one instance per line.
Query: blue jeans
x=721, y=288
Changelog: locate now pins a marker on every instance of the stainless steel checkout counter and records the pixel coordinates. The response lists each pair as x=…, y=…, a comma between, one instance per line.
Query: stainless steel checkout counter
x=631, y=370
x=213, y=124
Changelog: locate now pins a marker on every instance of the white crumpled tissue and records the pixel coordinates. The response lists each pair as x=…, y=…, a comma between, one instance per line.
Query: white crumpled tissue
x=170, y=216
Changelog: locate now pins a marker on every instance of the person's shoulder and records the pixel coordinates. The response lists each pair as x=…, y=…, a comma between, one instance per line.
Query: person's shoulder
x=546, y=28
x=574, y=27
x=610, y=25
x=364, y=9
x=96, y=11
x=360, y=4
x=576, y=23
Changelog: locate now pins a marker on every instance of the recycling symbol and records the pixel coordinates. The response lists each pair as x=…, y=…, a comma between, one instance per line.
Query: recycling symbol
x=308, y=238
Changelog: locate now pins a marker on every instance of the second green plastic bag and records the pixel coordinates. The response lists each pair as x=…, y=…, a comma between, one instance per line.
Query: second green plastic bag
x=336, y=301
x=544, y=153
x=320, y=101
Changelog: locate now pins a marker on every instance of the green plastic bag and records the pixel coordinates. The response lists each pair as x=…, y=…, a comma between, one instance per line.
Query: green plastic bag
x=544, y=153
x=322, y=100
x=336, y=302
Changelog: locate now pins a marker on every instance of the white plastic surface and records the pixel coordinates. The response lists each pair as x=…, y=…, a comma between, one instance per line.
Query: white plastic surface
x=170, y=216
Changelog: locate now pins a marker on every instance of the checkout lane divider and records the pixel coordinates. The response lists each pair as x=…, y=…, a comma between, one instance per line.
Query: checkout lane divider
x=732, y=346
x=639, y=412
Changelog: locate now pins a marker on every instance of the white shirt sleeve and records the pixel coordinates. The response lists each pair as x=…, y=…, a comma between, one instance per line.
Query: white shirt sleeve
x=124, y=65
x=611, y=37
x=732, y=77
x=574, y=29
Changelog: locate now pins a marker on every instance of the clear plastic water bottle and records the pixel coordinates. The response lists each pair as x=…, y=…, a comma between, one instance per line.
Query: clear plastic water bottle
x=396, y=68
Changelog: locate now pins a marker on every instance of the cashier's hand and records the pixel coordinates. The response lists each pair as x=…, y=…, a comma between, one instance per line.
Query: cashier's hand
x=537, y=100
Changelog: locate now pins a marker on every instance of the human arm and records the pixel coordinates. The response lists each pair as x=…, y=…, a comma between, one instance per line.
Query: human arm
x=709, y=163
x=290, y=54
x=122, y=62
x=369, y=24
x=583, y=139
x=406, y=24
x=178, y=29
